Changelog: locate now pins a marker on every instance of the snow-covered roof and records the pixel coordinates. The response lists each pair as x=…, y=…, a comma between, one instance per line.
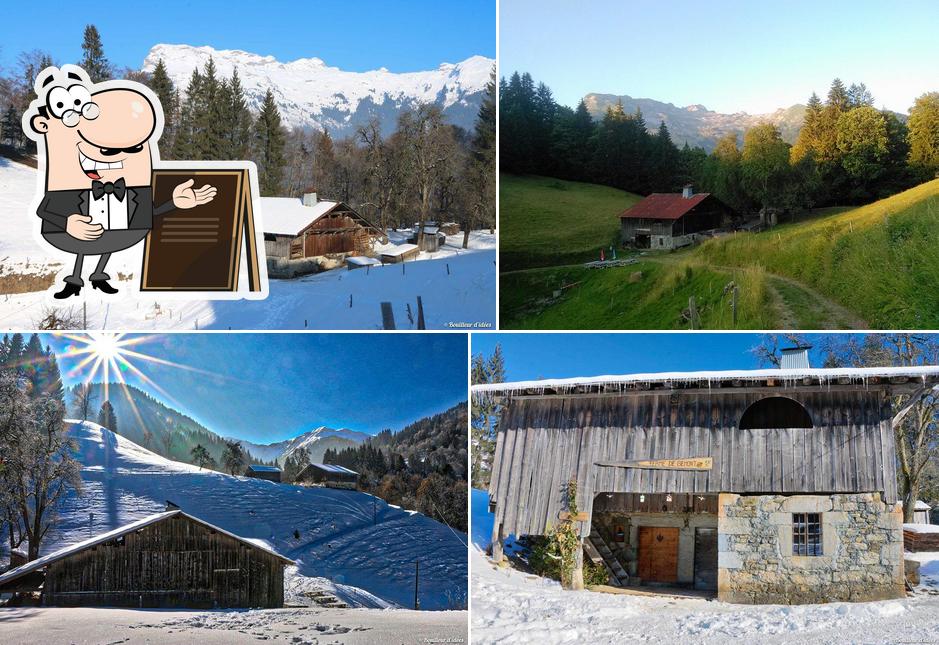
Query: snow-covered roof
x=716, y=379
x=288, y=215
x=921, y=528
x=44, y=561
x=399, y=249
x=362, y=260
x=264, y=469
x=921, y=506
x=333, y=468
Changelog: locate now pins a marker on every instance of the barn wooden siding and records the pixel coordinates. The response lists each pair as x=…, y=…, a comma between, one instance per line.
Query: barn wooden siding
x=172, y=563
x=544, y=441
x=277, y=246
x=339, y=231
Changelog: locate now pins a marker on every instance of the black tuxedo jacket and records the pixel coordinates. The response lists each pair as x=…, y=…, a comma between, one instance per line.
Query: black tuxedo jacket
x=58, y=205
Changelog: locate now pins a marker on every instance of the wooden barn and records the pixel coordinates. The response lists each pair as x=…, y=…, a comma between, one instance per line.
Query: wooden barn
x=329, y=475
x=307, y=227
x=270, y=473
x=169, y=559
x=672, y=220
x=763, y=486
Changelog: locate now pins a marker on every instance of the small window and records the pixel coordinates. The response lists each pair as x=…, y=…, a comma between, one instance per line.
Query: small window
x=806, y=534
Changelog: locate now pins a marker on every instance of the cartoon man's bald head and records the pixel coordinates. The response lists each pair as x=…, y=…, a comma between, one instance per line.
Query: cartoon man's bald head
x=90, y=132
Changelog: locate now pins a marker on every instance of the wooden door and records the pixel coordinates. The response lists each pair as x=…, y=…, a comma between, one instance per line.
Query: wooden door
x=705, y=558
x=658, y=554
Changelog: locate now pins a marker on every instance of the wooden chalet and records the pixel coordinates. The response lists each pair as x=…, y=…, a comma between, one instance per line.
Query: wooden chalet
x=329, y=475
x=270, y=473
x=170, y=559
x=307, y=227
x=764, y=486
x=672, y=220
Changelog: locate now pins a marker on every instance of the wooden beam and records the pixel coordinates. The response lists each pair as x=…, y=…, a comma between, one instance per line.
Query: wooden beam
x=915, y=398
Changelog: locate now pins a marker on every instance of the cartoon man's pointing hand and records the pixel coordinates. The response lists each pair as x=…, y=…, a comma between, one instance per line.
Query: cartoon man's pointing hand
x=99, y=159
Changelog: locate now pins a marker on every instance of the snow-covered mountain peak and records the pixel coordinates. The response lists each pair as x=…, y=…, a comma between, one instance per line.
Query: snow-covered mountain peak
x=311, y=94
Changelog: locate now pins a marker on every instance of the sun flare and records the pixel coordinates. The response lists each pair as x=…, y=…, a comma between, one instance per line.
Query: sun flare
x=109, y=358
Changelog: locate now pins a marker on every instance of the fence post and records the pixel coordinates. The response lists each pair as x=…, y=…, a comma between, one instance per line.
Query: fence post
x=387, y=316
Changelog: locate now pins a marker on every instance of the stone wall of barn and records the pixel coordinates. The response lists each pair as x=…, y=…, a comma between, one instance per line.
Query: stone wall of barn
x=862, y=549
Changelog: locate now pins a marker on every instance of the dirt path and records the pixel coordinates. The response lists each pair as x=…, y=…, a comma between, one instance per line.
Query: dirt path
x=797, y=305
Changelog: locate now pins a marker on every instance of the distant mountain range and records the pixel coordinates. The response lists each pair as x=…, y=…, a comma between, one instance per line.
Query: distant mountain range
x=699, y=126
x=695, y=124
x=316, y=441
x=172, y=434
x=311, y=94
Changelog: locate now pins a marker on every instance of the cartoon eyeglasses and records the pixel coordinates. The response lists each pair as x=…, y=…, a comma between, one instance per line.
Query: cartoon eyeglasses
x=71, y=104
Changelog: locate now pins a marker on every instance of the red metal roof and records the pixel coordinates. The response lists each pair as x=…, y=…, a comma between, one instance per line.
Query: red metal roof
x=664, y=206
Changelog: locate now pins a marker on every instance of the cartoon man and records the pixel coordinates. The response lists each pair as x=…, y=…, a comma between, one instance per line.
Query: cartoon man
x=99, y=143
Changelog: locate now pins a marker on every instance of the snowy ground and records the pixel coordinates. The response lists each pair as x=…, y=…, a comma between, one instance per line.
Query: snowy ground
x=54, y=626
x=362, y=548
x=508, y=606
x=457, y=286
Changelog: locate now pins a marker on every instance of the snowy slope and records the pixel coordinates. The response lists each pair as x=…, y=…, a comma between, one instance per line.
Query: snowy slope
x=508, y=606
x=347, y=537
x=316, y=441
x=19, y=252
x=310, y=93
x=456, y=285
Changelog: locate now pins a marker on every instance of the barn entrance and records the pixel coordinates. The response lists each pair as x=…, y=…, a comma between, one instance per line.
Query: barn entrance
x=661, y=540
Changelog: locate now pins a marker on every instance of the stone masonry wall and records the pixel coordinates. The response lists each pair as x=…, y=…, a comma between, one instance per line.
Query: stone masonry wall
x=862, y=544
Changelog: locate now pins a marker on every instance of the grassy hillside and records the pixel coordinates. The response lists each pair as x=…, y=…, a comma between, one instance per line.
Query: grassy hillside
x=545, y=222
x=621, y=298
x=880, y=260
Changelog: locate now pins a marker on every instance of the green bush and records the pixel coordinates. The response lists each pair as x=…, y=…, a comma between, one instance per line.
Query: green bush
x=595, y=574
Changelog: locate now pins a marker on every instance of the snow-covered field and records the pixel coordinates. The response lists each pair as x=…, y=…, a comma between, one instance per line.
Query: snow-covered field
x=361, y=549
x=508, y=606
x=94, y=626
x=457, y=286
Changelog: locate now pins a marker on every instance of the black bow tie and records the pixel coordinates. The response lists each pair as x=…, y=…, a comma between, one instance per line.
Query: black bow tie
x=118, y=188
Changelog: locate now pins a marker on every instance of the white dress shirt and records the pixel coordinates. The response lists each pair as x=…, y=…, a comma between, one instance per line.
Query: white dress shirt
x=108, y=211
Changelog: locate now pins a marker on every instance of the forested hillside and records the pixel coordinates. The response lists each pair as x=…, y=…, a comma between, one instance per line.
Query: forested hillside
x=149, y=422
x=847, y=151
x=421, y=467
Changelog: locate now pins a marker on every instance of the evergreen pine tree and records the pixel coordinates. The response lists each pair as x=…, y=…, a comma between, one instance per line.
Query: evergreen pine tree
x=106, y=417
x=269, y=146
x=207, y=117
x=162, y=86
x=236, y=120
x=184, y=144
x=93, y=60
x=10, y=131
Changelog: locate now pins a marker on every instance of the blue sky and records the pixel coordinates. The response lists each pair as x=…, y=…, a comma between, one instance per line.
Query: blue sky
x=538, y=356
x=729, y=55
x=410, y=35
x=269, y=387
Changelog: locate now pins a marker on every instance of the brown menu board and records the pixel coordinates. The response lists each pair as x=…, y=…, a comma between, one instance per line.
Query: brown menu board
x=199, y=249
